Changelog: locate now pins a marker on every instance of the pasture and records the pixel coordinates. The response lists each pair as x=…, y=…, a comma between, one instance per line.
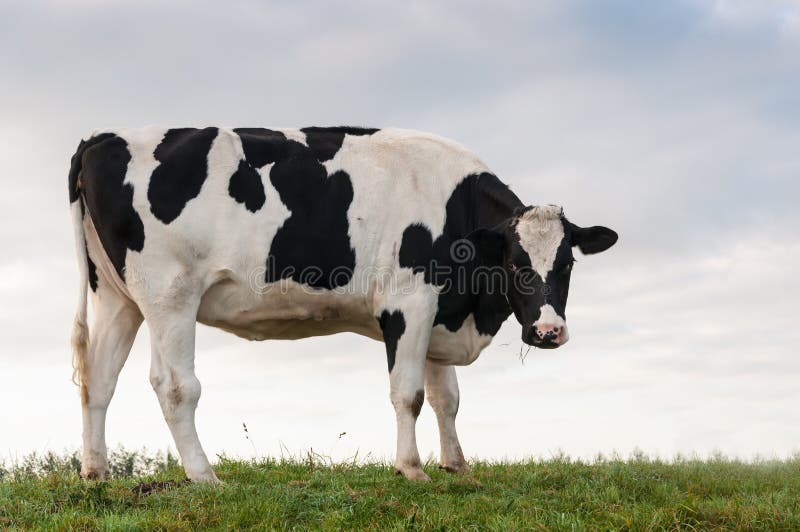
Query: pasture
x=311, y=493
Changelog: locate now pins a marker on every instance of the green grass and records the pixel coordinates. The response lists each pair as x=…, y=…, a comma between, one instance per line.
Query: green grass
x=557, y=494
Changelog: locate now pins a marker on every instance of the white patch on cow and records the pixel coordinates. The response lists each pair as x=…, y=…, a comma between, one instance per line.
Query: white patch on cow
x=294, y=134
x=141, y=145
x=399, y=177
x=540, y=232
x=549, y=317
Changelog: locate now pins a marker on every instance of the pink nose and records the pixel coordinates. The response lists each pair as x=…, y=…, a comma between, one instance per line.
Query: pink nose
x=549, y=332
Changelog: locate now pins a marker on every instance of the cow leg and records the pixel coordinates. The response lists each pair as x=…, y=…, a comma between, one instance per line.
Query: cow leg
x=174, y=381
x=111, y=337
x=441, y=388
x=406, y=335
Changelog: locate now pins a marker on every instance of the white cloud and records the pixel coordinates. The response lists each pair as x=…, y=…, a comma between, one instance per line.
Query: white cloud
x=677, y=128
x=749, y=12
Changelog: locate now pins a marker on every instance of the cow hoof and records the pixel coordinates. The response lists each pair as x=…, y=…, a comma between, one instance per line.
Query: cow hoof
x=458, y=468
x=206, y=477
x=93, y=474
x=413, y=473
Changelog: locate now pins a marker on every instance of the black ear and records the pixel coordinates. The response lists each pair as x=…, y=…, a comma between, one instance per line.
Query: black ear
x=591, y=240
x=489, y=245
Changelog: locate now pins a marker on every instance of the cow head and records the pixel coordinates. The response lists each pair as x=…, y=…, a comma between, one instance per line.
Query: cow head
x=534, y=248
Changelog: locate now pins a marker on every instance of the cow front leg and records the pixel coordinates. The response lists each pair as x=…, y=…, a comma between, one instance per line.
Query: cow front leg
x=111, y=337
x=178, y=388
x=406, y=336
x=441, y=388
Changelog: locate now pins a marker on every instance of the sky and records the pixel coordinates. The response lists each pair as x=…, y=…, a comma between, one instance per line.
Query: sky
x=676, y=123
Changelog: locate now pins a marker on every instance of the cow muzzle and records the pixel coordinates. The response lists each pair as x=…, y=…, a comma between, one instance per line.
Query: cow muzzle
x=547, y=336
x=548, y=332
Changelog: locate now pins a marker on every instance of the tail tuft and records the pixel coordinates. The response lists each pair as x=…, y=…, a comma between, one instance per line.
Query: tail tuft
x=80, y=348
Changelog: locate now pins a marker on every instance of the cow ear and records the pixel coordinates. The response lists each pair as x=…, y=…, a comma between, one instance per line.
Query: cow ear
x=488, y=246
x=591, y=240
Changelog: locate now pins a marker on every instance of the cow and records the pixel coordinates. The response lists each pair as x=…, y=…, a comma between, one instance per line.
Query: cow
x=401, y=236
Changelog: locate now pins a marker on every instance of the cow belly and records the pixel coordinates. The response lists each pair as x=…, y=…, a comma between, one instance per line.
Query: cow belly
x=291, y=329
x=285, y=310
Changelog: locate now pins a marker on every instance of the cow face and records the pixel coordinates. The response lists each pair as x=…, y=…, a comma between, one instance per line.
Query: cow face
x=535, y=250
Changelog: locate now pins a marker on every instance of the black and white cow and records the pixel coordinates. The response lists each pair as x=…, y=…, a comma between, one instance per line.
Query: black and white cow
x=397, y=235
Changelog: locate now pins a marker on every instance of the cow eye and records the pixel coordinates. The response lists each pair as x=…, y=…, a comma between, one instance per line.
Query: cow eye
x=512, y=266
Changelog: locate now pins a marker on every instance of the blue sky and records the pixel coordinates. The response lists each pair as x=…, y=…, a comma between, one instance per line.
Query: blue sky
x=676, y=123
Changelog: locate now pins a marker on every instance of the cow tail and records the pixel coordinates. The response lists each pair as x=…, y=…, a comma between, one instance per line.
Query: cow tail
x=80, y=328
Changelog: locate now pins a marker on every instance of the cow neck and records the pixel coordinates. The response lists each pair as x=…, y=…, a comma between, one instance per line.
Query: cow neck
x=499, y=204
x=480, y=201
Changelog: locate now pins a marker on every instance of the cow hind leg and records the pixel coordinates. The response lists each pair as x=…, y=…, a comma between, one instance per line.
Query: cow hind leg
x=111, y=337
x=173, y=378
x=441, y=388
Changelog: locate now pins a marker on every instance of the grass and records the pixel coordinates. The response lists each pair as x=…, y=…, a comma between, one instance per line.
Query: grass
x=557, y=494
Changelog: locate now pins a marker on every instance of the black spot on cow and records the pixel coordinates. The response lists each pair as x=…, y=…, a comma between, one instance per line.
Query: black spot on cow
x=326, y=141
x=479, y=201
x=76, y=166
x=416, y=250
x=393, y=325
x=312, y=246
x=416, y=405
x=262, y=146
x=183, y=154
x=100, y=165
x=246, y=187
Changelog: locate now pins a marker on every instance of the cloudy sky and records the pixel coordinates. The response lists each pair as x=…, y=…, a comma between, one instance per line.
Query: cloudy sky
x=675, y=123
